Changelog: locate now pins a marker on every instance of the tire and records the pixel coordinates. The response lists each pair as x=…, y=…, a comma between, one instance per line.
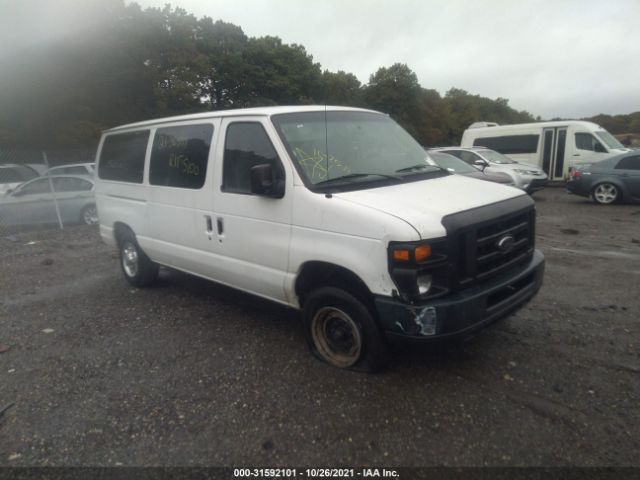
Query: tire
x=342, y=331
x=137, y=268
x=89, y=215
x=605, y=193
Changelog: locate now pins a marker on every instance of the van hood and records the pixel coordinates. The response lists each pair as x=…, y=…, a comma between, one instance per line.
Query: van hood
x=423, y=204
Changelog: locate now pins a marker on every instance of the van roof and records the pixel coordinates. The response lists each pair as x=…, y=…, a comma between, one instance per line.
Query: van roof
x=555, y=123
x=258, y=111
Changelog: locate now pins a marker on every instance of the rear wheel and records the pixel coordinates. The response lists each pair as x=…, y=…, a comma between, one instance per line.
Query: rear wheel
x=606, y=193
x=138, y=269
x=89, y=215
x=342, y=331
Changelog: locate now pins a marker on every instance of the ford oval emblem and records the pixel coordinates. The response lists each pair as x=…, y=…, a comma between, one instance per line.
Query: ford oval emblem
x=506, y=243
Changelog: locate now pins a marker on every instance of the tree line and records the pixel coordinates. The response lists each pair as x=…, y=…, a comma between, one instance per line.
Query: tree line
x=137, y=64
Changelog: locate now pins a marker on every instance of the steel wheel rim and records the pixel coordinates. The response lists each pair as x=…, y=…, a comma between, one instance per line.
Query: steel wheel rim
x=605, y=193
x=130, y=259
x=336, y=337
x=90, y=215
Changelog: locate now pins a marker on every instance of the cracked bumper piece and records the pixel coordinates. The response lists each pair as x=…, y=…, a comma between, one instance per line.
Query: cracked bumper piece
x=462, y=313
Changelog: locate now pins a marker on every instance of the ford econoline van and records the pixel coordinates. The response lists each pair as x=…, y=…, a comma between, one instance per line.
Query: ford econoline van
x=554, y=146
x=334, y=211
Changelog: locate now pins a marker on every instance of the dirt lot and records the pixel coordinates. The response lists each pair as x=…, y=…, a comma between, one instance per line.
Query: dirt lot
x=191, y=373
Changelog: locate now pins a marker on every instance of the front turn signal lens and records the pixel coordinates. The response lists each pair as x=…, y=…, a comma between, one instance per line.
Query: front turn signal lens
x=401, y=255
x=423, y=252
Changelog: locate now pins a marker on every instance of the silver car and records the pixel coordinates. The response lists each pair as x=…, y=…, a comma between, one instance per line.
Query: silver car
x=12, y=175
x=49, y=200
x=527, y=177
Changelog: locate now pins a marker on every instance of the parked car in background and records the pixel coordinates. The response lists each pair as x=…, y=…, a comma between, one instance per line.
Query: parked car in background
x=553, y=146
x=73, y=169
x=12, y=175
x=455, y=165
x=34, y=202
x=608, y=181
x=527, y=177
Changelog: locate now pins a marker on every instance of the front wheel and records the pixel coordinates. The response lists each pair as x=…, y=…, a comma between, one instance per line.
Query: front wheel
x=342, y=331
x=138, y=269
x=606, y=194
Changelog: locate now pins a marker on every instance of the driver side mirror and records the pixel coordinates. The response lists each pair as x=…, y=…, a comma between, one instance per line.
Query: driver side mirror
x=480, y=163
x=599, y=148
x=263, y=181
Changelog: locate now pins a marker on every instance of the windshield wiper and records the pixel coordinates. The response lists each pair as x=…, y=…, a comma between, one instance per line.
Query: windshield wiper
x=419, y=166
x=357, y=175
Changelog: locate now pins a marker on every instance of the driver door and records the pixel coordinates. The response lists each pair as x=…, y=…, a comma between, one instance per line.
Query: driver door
x=252, y=231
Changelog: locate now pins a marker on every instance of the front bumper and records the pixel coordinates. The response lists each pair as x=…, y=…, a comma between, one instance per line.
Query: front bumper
x=464, y=312
x=536, y=184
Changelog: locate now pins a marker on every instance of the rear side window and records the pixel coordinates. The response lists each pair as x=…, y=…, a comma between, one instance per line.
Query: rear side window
x=122, y=157
x=37, y=187
x=9, y=175
x=629, y=163
x=179, y=156
x=586, y=141
x=468, y=157
x=510, y=143
x=71, y=184
x=246, y=145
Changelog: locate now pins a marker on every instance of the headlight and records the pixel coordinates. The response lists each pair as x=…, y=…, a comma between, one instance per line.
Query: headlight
x=419, y=269
x=526, y=172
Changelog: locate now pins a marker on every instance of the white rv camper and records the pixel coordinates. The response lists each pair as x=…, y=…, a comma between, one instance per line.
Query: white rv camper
x=554, y=146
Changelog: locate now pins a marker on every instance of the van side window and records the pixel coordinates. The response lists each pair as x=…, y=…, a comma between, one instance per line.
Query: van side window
x=179, y=156
x=510, y=143
x=122, y=156
x=246, y=145
x=629, y=163
x=586, y=141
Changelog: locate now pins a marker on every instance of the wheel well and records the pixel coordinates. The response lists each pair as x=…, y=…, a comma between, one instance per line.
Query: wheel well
x=120, y=230
x=316, y=274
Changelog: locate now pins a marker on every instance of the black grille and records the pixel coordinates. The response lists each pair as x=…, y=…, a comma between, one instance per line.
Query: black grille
x=475, y=236
x=490, y=260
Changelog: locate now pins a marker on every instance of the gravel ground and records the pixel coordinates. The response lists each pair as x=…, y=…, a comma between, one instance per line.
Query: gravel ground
x=192, y=373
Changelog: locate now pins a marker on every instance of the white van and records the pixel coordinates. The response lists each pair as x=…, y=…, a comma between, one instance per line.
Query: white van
x=331, y=210
x=554, y=146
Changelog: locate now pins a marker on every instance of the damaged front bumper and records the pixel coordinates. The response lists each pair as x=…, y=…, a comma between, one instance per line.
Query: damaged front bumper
x=462, y=313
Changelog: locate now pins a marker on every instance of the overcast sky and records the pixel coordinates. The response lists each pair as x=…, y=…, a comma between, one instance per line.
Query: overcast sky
x=565, y=58
x=553, y=58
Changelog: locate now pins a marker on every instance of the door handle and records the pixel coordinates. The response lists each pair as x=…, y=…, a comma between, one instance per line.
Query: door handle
x=220, y=223
x=209, y=225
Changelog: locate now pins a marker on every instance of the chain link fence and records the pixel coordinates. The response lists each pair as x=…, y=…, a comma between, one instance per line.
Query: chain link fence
x=46, y=189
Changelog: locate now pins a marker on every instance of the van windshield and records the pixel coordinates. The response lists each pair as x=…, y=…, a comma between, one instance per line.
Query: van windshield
x=496, y=157
x=609, y=140
x=345, y=148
